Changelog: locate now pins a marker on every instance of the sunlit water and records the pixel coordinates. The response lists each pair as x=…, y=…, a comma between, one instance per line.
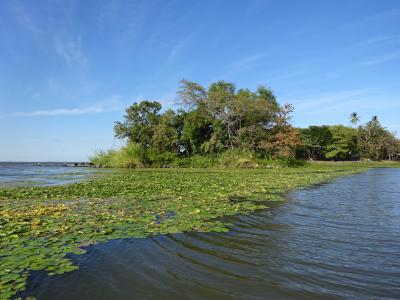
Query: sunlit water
x=28, y=174
x=335, y=241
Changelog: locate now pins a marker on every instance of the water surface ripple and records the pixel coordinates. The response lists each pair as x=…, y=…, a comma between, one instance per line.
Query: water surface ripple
x=14, y=174
x=335, y=241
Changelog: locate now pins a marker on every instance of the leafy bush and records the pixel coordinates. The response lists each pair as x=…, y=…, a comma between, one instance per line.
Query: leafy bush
x=132, y=156
x=102, y=158
x=237, y=158
x=199, y=161
x=129, y=156
x=291, y=162
x=161, y=159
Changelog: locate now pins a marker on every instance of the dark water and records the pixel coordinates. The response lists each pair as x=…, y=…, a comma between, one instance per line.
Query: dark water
x=335, y=241
x=22, y=174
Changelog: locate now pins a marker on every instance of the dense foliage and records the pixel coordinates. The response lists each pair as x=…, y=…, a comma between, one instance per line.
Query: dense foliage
x=369, y=141
x=251, y=124
x=40, y=226
x=211, y=122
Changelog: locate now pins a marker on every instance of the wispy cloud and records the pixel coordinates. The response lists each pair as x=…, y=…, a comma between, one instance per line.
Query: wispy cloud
x=383, y=15
x=95, y=108
x=319, y=102
x=70, y=50
x=380, y=60
x=64, y=46
x=247, y=61
x=175, y=50
x=242, y=64
x=58, y=112
x=369, y=99
x=395, y=128
x=172, y=52
x=108, y=12
x=24, y=18
x=288, y=73
x=377, y=17
x=384, y=39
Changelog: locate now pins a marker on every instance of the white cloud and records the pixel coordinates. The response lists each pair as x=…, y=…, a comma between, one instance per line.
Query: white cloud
x=240, y=65
x=177, y=48
x=380, y=60
x=313, y=102
x=378, y=40
x=377, y=17
x=24, y=18
x=108, y=12
x=365, y=101
x=70, y=50
x=59, y=112
x=113, y=104
x=247, y=61
x=288, y=73
x=383, y=15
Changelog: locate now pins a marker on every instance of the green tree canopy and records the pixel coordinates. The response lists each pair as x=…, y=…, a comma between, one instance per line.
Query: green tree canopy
x=140, y=122
x=214, y=119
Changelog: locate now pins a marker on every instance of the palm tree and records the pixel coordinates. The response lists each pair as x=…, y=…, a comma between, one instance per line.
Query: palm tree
x=375, y=120
x=354, y=118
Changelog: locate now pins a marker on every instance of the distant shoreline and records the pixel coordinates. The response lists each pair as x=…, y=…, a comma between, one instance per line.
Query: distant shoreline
x=261, y=166
x=50, y=163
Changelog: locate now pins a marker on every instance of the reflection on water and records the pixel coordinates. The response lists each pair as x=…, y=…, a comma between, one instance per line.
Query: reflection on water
x=29, y=174
x=335, y=241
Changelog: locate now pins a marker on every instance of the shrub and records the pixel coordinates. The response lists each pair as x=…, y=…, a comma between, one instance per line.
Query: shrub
x=237, y=158
x=129, y=156
x=161, y=159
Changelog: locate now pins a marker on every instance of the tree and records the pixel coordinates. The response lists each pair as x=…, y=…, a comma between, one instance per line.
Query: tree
x=257, y=114
x=197, y=129
x=229, y=118
x=370, y=139
x=354, y=118
x=219, y=118
x=214, y=120
x=139, y=124
x=284, y=143
x=166, y=136
x=391, y=146
x=221, y=105
x=191, y=94
x=343, y=143
x=314, y=142
x=285, y=139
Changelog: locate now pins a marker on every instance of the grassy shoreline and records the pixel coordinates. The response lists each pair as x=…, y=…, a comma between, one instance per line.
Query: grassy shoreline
x=39, y=226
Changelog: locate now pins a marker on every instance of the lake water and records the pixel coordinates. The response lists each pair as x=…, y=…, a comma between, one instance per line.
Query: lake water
x=51, y=173
x=335, y=241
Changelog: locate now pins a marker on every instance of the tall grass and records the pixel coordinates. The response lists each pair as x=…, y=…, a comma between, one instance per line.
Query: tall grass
x=129, y=156
x=132, y=156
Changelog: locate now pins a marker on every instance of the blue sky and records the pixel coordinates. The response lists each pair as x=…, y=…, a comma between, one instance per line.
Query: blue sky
x=69, y=68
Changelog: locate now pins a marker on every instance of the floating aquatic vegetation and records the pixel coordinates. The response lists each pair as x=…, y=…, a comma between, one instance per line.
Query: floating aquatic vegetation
x=39, y=226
